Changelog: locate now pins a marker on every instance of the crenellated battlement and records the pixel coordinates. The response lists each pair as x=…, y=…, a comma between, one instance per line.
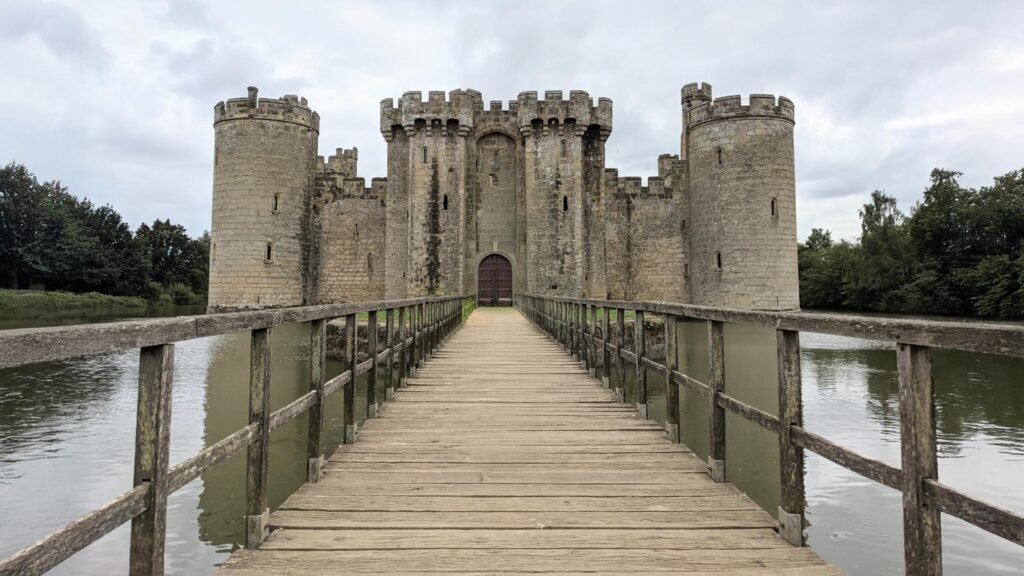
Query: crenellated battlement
x=694, y=94
x=632, y=186
x=289, y=108
x=578, y=112
x=344, y=162
x=701, y=111
x=460, y=106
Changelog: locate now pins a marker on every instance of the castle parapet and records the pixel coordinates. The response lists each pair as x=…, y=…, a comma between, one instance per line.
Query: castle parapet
x=732, y=107
x=578, y=111
x=289, y=108
x=459, y=106
x=344, y=162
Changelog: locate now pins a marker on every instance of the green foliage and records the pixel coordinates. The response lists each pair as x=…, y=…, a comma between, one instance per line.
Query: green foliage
x=960, y=252
x=53, y=240
x=21, y=303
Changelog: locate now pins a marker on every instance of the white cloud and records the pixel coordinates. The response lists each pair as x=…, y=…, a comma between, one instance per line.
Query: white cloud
x=115, y=99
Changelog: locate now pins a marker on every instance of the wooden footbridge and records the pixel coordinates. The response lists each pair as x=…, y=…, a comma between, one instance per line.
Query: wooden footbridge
x=501, y=453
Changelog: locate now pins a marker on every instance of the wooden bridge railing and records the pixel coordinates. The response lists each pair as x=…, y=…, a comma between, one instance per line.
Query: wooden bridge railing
x=572, y=322
x=422, y=324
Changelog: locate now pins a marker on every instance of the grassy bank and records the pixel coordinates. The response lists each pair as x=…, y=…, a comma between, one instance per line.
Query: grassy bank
x=40, y=304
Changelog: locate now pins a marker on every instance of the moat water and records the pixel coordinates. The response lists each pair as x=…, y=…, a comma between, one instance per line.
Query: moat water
x=67, y=432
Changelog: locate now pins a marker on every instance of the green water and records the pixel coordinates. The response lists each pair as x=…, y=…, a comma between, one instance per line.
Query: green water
x=67, y=433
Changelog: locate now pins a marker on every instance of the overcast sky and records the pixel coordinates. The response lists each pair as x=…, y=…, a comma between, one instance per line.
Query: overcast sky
x=115, y=99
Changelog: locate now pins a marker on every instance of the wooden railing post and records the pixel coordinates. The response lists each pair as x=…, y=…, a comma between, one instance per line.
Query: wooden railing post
x=428, y=350
x=791, y=456
x=585, y=333
x=640, y=348
x=371, y=376
x=403, y=354
x=620, y=343
x=671, y=389
x=922, y=531
x=606, y=356
x=570, y=335
x=351, y=359
x=593, y=341
x=716, y=417
x=389, y=329
x=257, y=514
x=317, y=412
x=416, y=319
x=152, y=443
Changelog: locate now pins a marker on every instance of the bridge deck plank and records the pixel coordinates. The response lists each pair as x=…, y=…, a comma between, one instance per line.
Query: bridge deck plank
x=501, y=457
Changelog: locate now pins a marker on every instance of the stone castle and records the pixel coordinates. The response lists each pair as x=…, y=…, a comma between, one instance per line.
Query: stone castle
x=504, y=198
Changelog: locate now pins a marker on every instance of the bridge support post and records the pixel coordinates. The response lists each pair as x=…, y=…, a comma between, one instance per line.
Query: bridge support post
x=640, y=347
x=671, y=389
x=606, y=364
x=791, y=456
x=389, y=378
x=257, y=514
x=593, y=341
x=152, y=444
x=317, y=412
x=403, y=352
x=371, y=376
x=716, y=432
x=351, y=360
x=620, y=364
x=922, y=531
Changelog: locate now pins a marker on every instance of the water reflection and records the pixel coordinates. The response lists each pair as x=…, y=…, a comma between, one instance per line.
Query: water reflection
x=222, y=500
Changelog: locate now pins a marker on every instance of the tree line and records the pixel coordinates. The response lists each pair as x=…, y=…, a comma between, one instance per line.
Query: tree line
x=960, y=252
x=52, y=240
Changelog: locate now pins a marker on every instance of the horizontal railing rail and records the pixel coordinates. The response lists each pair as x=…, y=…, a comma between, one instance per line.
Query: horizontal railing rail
x=573, y=323
x=420, y=327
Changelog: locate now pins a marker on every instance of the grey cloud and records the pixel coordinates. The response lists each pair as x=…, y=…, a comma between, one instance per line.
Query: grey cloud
x=875, y=83
x=61, y=29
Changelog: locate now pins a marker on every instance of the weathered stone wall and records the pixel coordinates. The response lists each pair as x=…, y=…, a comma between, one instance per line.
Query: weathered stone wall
x=559, y=181
x=352, y=238
x=264, y=161
x=742, y=201
x=435, y=171
x=397, y=210
x=645, y=249
x=494, y=209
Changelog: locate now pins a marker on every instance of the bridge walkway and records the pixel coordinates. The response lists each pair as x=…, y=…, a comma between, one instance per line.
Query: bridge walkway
x=502, y=456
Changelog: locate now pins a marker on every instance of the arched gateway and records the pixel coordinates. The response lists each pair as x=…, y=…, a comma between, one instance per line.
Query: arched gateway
x=494, y=281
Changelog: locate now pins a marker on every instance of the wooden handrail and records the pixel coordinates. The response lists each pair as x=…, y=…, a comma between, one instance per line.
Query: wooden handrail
x=145, y=505
x=917, y=478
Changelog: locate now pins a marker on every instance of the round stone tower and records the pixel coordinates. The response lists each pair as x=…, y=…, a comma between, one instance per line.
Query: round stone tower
x=742, y=232
x=264, y=165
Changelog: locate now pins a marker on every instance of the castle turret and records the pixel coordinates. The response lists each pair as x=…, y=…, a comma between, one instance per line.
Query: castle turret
x=742, y=235
x=265, y=159
x=427, y=163
x=563, y=170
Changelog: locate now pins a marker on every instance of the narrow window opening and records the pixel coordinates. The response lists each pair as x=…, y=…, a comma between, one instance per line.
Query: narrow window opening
x=686, y=270
x=277, y=200
x=494, y=179
x=718, y=152
x=269, y=257
x=775, y=207
x=425, y=155
x=446, y=202
x=495, y=163
x=564, y=152
x=565, y=203
x=369, y=262
x=718, y=259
